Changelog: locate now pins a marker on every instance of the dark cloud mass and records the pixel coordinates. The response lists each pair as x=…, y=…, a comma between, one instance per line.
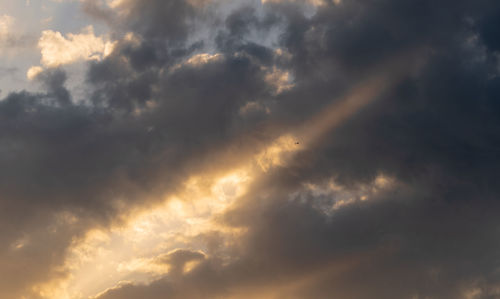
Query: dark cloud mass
x=158, y=109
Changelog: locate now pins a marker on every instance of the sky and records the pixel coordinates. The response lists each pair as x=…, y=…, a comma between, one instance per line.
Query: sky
x=243, y=149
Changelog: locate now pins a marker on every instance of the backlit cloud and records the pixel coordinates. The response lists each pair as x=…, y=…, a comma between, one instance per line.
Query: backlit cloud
x=253, y=149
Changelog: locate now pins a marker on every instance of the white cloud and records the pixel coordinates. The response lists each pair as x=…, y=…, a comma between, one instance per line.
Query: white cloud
x=33, y=72
x=57, y=49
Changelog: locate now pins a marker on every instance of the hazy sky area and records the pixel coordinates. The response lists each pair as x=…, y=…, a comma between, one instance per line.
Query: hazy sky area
x=249, y=149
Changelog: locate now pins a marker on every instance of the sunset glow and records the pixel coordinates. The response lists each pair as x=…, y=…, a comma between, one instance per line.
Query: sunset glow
x=249, y=149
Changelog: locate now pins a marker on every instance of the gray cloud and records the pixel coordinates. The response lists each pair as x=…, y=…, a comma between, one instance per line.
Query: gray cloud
x=151, y=119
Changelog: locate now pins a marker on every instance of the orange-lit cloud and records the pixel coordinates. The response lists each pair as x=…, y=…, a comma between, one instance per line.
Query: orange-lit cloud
x=196, y=149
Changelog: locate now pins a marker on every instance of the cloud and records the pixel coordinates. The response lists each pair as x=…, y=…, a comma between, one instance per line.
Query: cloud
x=58, y=50
x=401, y=234
x=367, y=133
x=7, y=71
x=10, y=36
x=33, y=72
x=6, y=23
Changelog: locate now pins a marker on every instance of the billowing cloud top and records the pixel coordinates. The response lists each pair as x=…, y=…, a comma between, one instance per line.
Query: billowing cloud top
x=253, y=149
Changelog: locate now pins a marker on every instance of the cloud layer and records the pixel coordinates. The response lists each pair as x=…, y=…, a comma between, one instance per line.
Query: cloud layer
x=368, y=130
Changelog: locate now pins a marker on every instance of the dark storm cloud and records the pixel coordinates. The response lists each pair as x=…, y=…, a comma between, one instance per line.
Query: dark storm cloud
x=68, y=167
x=152, y=118
x=436, y=132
